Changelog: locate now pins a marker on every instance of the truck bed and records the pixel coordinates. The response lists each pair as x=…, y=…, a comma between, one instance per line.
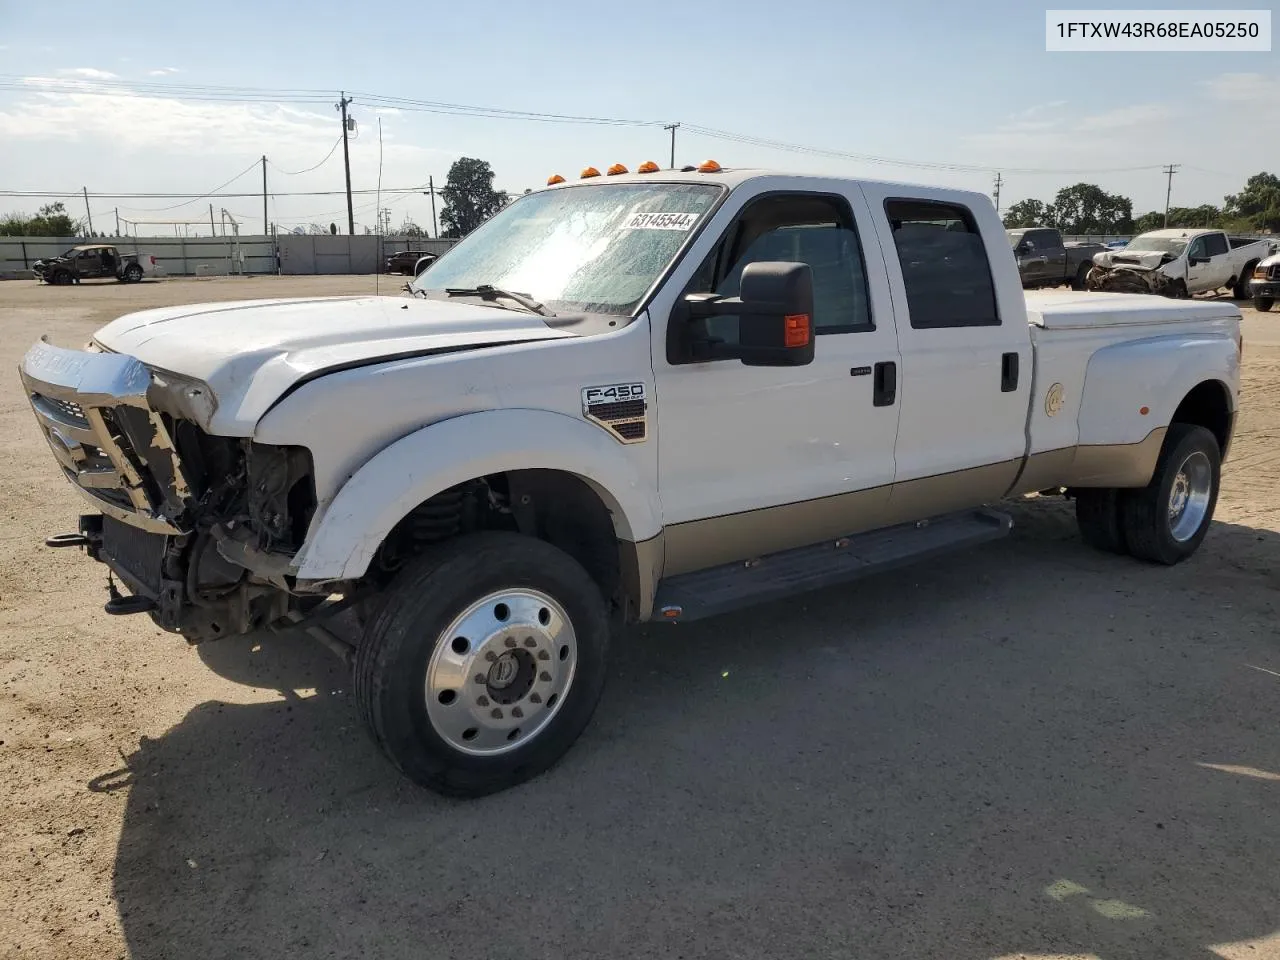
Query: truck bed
x=1075, y=310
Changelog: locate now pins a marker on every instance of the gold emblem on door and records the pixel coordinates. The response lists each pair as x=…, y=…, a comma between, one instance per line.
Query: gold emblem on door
x=1053, y=400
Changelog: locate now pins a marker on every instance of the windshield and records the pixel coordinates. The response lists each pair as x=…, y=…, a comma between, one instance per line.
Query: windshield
x=1146, y=243
x=593, y=249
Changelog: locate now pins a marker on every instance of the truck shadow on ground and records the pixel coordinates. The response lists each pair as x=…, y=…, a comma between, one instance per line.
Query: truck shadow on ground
x=1031, y=748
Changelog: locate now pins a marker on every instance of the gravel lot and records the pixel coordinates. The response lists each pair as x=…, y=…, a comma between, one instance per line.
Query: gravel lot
x=1029, y=750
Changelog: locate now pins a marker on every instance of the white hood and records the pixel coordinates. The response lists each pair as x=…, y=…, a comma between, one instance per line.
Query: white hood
x=1147, y=259
x=249, y=352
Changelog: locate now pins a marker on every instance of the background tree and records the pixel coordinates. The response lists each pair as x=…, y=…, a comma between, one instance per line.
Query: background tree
x=51, y=221
x=1028, y=213
x=1149, y=221
x=1258, y=203
x=469, y=197
x=1085, y=208
x=412, y=230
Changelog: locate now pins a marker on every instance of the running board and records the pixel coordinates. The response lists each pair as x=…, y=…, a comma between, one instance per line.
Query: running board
x=707, y=593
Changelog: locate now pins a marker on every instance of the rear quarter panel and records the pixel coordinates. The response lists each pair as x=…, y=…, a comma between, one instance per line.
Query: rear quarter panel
x=1154, y=373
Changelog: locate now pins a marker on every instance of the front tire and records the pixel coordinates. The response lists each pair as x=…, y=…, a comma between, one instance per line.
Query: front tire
x=1166, y=521
x=484, y=664
x=1241, y=289
x=133, y=273
x=1082, y=276
x=1263, y=304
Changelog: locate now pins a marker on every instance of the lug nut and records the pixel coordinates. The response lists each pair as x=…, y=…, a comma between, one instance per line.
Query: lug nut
x=490, y=656
x=543, y=655
x=496, y=714
x=510, y=641
x=482, y=701
x=544, y=677
x=517, y=712
x=530, y=642
x=535, y=698
x=480, y=678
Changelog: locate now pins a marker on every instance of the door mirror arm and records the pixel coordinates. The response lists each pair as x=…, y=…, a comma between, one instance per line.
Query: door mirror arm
x=775, y=318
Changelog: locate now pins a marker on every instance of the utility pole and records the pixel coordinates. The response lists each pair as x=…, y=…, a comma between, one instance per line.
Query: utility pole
x=264, y=195
x=999, y=181
x=672, y=128
x=87, y=212
x=1170, y=170
x=343, y=100
x=431, y=189
x=213, y=231
x=117, y=221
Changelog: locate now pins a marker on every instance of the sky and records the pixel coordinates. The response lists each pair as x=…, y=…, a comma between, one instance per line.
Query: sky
x=961, y=84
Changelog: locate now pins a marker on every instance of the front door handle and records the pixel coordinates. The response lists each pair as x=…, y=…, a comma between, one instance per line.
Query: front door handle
x=1009, y=373
x=884, y=387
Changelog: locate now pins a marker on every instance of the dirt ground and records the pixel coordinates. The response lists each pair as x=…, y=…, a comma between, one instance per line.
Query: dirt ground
x=1031, y=750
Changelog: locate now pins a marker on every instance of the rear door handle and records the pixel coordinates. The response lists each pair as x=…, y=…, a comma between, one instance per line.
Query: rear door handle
x=1009, y=373
x=884, y=388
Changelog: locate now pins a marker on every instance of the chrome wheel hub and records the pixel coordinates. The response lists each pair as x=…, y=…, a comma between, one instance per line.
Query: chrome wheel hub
x=1189, y=496
x=501, y=671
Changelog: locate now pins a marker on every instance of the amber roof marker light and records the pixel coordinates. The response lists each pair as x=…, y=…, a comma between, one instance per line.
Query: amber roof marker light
x=589, y=172
x=708, y=166
x=554, y=179
x=647, y=167
x=616, y=169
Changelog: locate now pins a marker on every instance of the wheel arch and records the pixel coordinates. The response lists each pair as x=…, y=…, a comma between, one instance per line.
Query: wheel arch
x=1208, y=404
x=540, y=454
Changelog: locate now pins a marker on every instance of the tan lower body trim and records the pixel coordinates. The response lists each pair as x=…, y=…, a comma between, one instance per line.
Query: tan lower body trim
x=1093, y=465
x=698, y=544
x=641, y=567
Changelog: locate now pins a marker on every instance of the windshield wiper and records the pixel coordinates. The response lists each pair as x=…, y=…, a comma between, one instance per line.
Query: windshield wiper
x=487, y=291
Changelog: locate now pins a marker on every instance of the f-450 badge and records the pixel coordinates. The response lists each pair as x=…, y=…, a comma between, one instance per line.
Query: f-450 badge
x=618, y=407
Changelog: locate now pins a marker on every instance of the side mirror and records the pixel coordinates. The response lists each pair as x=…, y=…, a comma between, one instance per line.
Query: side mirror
x=1195, y=261
x=775, y=317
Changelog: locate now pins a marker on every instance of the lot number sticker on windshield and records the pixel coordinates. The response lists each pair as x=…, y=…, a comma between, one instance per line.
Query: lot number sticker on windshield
x=661, y=221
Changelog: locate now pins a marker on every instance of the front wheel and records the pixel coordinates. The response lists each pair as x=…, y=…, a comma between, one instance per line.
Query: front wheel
x=133, y=273
x=1082, y=276
x=1263, y=304
x=1166, y=521
x=484, y=663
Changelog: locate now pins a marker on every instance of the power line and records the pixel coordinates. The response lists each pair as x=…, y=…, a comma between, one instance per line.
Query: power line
x=294, y=173
x=203, y=196
x=253, y=94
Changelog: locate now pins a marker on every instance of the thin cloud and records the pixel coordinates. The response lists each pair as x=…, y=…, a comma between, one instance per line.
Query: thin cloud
x=1236, y=87
x=89, y=73
x=1127, y=118
x=163, y=71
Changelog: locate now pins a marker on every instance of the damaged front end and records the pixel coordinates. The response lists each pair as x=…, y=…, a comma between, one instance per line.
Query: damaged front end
x=1118, y=273
x=201, y=529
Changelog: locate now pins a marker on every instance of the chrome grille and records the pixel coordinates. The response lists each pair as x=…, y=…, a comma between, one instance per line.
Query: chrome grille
x=73, y=395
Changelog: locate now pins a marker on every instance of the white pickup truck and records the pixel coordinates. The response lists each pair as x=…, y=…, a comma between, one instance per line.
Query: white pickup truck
x=1179, y=263
x=649, y=396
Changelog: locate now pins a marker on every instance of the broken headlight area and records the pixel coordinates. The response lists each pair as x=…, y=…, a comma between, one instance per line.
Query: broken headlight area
x=1128, y=279
x=245, y=510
